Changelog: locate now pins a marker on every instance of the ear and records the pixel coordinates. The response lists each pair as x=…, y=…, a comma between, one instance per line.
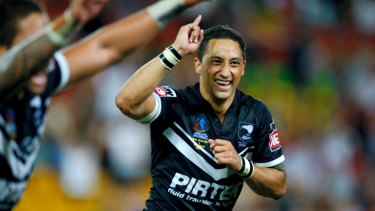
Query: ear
x=244, y=67
x=198, y=65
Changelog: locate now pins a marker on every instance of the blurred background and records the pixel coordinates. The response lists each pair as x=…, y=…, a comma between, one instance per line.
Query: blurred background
x=311, y=62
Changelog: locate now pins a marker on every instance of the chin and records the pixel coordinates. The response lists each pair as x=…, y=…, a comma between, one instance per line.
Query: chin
x=222, y=95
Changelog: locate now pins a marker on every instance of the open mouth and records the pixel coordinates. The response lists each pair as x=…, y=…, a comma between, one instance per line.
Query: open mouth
x=223, y=84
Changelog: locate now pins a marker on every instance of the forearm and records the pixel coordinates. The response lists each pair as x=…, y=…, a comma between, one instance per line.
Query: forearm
x=32, y=54
x=268, y=182
x=23, y=60
x=135, y=98
x=141, y=27
x=109, y=45
x=112, y=43
x=130, y=34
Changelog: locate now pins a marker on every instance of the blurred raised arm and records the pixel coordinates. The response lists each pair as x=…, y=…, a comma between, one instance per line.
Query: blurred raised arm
x=27, y=57
x=111, y=43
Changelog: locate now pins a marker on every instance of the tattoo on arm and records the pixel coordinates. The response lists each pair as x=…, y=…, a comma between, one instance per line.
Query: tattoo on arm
x=22, y=61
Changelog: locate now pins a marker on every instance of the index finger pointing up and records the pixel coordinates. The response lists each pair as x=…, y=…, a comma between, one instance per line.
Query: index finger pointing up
x=195, y=29
x=197, y=20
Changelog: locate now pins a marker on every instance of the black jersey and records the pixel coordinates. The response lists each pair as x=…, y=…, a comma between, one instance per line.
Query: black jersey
x=21, y=128
x=185, y=174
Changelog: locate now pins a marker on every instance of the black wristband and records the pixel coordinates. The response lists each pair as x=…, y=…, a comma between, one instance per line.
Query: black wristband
x=247, y=169
x=165, y=61
x=175, y=53
x=242, y=166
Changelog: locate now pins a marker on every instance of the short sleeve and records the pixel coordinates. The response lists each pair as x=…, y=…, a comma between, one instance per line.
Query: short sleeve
x=267, y=147
x=58, y=74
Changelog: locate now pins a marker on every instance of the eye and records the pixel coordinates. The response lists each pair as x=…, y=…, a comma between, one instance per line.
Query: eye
x=216, y=61
x=235, y=63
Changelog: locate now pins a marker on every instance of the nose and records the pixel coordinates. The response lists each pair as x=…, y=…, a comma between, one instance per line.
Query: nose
x=225, y=70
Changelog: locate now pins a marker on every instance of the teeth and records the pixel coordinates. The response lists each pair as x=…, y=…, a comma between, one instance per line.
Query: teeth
x=223, y=83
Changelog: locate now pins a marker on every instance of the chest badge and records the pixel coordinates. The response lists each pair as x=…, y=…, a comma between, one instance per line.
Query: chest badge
x=201, y=125
x=245, y=131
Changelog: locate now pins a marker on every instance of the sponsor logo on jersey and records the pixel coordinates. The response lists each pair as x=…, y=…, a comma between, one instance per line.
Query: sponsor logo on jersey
x=165, y=91
x=274, y=142
x=244, y=133
x=203, y=192
x=200, y=127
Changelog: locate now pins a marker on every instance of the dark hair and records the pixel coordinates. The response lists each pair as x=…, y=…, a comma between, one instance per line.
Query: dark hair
x=11, y=12
x=221, y=32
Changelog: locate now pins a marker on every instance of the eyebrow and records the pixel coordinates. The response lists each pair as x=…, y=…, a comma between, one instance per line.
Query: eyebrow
x=219, y=57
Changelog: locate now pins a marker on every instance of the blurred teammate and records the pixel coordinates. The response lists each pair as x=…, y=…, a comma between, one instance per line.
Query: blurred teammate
x=27, y=43
x=209, y=138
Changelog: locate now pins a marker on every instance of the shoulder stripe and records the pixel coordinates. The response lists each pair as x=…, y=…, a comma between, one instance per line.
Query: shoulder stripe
x=194, y=143
x=64, y=68
x=154, y=114
x=194, y=157
x=272, y=163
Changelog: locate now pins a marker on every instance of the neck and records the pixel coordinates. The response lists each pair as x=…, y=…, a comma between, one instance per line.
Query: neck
x=219, y=106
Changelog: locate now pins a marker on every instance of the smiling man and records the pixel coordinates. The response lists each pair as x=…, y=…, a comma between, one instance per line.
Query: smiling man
x=210, y=138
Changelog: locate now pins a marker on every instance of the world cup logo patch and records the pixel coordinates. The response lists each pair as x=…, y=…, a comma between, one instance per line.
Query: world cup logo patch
x=201, y=123
x=200, y=136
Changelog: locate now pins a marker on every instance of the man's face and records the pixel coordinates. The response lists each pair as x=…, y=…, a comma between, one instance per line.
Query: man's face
x=220, y=70
x=26, y=27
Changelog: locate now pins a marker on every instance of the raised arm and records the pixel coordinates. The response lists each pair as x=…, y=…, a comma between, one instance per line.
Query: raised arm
x=135, y=98
x=111, y=43
x=28, y=56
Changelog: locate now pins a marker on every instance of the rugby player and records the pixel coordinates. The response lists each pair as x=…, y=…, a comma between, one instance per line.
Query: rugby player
x=209, y=138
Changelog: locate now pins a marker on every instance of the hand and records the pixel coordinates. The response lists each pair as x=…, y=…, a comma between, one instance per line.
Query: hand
x=84, y=10
x=190, y=3
x=189, y=38
x=225, y=153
